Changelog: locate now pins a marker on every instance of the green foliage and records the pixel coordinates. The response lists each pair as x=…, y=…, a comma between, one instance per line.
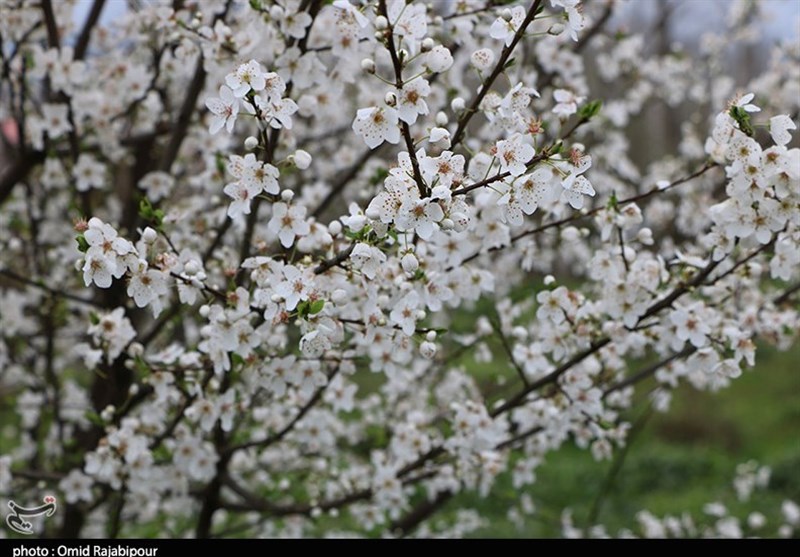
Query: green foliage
x=590, y=109
x=613, y=202
x=742, y=117
x=360, y=236
x=309, y=307
x=150, y=213
x=83, y=245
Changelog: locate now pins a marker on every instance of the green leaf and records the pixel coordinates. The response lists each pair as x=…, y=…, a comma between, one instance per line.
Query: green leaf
x=590, y=109
x=94, y=417
x=742, y=118
x=302, y=309
x=613, y=201
x=316, y=306
x=145, y=209
x=148, y=213
x=83, y=245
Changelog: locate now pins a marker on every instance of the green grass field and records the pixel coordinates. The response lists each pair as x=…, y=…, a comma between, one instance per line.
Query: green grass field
x=678, y=462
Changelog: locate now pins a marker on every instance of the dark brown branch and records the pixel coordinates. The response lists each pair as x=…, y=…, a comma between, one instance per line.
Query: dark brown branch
x=583, y=215
x=404, y=127
x=334, y=261
x=184, y=117
x=649, y=370
x=345, y=179
x=687, y=351
x=551, y=377
x=57, y=293
x=749, y=257
x=82, y=44
x=498, y=328
x=544, y=154
x=285, y=430
x=406, y=524
x=53, y=40
x=271, y=139
x=498, y=69
x=596, y=27
x=787, y=295
x=548, y=77
x=17, y=172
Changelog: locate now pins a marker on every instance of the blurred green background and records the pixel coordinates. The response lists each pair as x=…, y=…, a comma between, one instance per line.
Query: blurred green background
x=678, y=462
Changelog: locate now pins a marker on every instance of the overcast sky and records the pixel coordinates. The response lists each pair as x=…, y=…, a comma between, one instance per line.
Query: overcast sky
x=693, y=17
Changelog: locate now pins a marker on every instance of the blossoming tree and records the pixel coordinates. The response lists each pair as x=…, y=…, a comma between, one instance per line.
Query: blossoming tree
x=249, y=246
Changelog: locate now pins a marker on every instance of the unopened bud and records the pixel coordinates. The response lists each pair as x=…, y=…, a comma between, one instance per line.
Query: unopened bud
x=507, y=15
x=519, y=333
x=250, y=143
x=339, y=296
x=381, y=23
x=645, y=236
x=390, y=98
x=302, y=159
x=427, y=44
x=409, y=263
x=287, y=195
x=335, y=228
x=276, y=12
x=149, y=235
x=458, y=104
x=368, y=65
x=427, y=350
x=108, y=413
x=135, y=349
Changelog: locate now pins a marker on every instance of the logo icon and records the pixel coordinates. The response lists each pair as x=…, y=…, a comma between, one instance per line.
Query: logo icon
x=16, y=519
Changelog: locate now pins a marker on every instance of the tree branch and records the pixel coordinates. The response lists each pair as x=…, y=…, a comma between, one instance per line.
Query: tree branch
x=498, y=69
x=82, y=44
x=398, y=74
